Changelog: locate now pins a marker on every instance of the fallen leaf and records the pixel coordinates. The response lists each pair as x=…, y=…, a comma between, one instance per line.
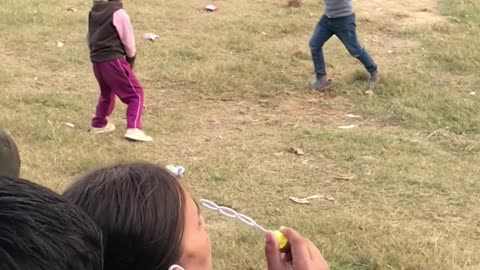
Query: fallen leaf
x=433, y=133
x=329, y=198
x=210, y=8
x=150, y=36
x=369, y=93
x=299, y=200
x=345, y=177
x=315, y=197
x=297, y=151
x=241, y=129
x=455, y=19
x=425, y=10
x=309, y=199
x=369, y=158
x=215, y=121
x=350, y=115
x=347, y=127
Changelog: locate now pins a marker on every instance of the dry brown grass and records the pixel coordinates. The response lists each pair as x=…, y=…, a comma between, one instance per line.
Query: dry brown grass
x=294, y=3
x=226, y=96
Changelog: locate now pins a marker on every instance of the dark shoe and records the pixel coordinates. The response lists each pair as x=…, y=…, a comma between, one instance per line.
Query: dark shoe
x=321, y=85
x=374, y=78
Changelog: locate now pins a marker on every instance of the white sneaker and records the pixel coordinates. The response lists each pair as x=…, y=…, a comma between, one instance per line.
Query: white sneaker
x=108, y=128
x=135, y=134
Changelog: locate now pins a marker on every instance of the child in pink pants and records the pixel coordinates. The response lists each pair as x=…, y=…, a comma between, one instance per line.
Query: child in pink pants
x=112, y=52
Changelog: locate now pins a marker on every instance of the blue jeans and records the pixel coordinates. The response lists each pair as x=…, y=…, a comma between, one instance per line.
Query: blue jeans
x=345, y=29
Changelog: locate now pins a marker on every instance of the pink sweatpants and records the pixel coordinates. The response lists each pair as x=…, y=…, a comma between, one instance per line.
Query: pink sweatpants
x=115, y=77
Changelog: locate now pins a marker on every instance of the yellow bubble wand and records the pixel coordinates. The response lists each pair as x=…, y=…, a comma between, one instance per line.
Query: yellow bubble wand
x=228, y=212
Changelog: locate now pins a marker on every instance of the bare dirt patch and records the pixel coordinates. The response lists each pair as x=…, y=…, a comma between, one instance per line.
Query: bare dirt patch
x=408, y=12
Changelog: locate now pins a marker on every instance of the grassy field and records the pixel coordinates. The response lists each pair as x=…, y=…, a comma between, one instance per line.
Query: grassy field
x=227, y=97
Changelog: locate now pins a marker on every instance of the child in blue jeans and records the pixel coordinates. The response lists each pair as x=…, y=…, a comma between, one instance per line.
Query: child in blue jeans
x=338, y=20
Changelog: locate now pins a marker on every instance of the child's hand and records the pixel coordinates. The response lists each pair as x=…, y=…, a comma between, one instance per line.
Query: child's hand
x=301, y=255
x=131, y=61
